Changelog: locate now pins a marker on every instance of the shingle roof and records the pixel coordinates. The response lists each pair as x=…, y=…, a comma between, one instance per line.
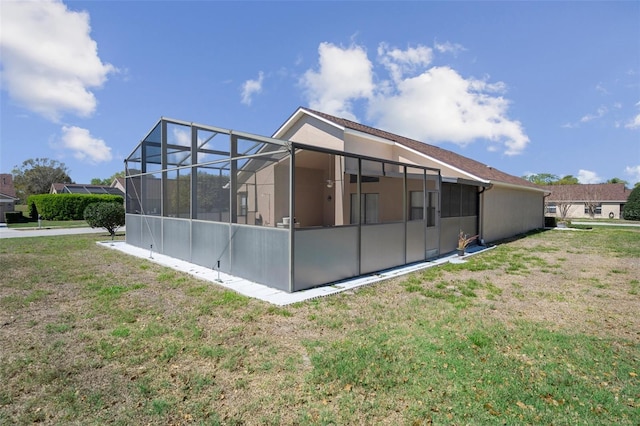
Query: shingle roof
x=79, y=188
x=615, y=192
x=458, y=161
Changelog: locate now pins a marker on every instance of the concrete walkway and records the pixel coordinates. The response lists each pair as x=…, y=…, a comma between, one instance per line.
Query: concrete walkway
x=580, y=222
x=6, y=232
x=272, y=295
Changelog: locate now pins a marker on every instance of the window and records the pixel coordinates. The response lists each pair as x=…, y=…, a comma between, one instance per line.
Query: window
x=242, y=203
x=432, y=200
x=593, y=208
x=369, y=208
x=459, y=200
x=363, y=179
x=551, y=208
x=416, y=205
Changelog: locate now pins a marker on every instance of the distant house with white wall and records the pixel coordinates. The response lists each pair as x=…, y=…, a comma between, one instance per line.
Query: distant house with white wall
x=586, y=201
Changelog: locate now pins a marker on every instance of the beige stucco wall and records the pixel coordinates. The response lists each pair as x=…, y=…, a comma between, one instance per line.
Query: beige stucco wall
x=364, y=146
x=314, y=132
x=576, y=211
x=506, y=211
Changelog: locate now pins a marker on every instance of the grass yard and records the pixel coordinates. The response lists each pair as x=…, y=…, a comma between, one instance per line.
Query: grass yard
x=541, y=330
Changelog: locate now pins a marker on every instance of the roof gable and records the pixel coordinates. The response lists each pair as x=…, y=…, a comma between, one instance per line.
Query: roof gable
x=474, y=168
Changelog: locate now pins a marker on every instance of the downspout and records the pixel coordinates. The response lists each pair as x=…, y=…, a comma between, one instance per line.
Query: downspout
x=481, y=212
x=544, y=213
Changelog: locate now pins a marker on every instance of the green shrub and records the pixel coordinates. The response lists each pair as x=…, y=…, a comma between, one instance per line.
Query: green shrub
x=31, y=208
x=109, y=216
x=631, y=209
x=14, y=217
x=66, y=206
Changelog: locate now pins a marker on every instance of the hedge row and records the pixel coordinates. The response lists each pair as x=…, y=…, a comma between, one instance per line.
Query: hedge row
x=66, y=206
x=14, y=217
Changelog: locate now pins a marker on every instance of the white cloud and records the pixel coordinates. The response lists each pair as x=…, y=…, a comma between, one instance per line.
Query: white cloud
x=83, y=145
x=252, y=87
x=440, y=105
x=634, y=123
x=599, y=114
x=587, y=176
x=600, y=88
x=433, y=104
x=49, y=60
x=400, y=62
x=344, y=75
x=181, y=136
x=634, y=172
x=448, y=47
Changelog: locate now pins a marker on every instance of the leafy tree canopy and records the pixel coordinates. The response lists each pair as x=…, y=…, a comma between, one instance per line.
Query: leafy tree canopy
x=550, y=179
x=618, y=180
x=542, y=178
x=107, y=181
x=36, y=175
x=631, y=209
x=567, y=180
x=109, y=216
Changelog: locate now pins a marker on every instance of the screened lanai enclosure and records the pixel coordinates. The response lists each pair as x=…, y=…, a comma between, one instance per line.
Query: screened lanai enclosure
x=287, y=215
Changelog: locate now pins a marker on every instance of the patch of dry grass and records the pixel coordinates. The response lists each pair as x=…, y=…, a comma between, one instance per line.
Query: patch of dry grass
x=543, y=329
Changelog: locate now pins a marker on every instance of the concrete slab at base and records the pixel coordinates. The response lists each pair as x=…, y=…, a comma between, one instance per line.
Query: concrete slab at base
x=268, y=294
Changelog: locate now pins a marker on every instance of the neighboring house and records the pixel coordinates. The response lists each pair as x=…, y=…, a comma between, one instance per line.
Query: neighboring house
x=119, y=184
x=580, y=201
x=78, y=188
x=8, y=197
x=323, y=200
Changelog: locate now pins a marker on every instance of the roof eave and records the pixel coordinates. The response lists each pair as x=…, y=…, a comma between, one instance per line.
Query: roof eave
x=300, y=112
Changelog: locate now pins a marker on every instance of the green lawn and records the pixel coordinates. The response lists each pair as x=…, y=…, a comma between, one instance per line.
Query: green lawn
x=540, y=330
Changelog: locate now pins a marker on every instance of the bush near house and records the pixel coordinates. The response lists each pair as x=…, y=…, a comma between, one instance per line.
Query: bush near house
x=109, y=216
x=66, y=206
x=14, y=217
x=631, y=209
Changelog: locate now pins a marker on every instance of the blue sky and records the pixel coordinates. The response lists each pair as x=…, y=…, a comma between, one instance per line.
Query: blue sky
x=526, y=87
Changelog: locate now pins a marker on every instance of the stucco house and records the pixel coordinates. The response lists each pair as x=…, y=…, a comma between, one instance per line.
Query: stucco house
x=119, y=184
x=322, y=200
x=8, y=197
x=586, y=201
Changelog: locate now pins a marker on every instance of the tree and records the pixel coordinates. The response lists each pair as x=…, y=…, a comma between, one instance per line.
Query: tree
x=593, y=199
x=631, y=209
x=567, y=180
x=617, y=180
x=109, y=216
x=36, y=175
x=107, y=181
x=542, y=178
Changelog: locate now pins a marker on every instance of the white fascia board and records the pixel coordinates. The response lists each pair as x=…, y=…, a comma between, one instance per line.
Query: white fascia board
x=296, y=116
x=435, y=160
x=520, y=187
